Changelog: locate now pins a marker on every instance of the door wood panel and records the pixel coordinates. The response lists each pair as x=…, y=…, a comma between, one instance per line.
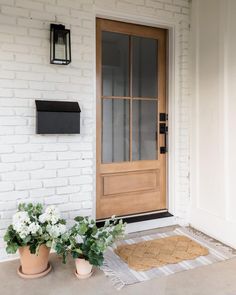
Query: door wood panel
x=129, y=186
x=130, y=182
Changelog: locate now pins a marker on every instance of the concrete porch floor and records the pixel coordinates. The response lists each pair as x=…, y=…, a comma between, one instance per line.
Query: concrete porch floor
x=215, y=279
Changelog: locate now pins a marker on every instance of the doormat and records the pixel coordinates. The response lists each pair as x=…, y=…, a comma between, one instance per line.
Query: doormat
x=146, y=255
x=203, y=249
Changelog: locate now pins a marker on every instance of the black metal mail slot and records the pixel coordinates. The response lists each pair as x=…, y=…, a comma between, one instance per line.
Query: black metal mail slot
x=57, y=117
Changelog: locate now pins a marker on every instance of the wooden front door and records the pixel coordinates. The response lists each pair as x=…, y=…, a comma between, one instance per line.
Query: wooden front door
x=131, y=126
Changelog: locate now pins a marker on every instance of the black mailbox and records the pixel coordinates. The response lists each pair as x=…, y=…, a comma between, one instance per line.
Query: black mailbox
x=57, y=117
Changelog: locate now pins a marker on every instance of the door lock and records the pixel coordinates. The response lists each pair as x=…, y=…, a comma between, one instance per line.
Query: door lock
x=163, y=117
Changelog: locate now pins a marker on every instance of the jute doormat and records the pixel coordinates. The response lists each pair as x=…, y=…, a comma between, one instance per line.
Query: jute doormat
x=146, y=255
x=121, y=274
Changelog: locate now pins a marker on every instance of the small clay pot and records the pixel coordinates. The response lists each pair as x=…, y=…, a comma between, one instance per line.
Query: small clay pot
x=32, y=264
x=83, y=268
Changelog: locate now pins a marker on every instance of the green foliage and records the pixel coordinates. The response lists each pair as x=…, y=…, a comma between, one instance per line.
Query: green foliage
x=12, y=240
x=33, y=210
x=86, y=240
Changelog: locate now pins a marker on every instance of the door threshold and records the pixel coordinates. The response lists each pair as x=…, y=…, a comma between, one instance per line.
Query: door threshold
x=140, y=217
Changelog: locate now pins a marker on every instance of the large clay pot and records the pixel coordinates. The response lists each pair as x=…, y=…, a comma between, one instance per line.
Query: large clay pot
x=32, y=264
x=83, y=268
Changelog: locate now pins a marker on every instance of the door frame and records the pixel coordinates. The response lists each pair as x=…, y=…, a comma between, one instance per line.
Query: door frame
x=152, y=198
x=173, y=68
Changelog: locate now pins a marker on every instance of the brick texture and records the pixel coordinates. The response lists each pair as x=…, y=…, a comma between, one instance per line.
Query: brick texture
x=61, y=169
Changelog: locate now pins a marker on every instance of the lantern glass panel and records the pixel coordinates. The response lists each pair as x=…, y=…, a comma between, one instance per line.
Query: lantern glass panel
x=68, y=50
x=60, y=46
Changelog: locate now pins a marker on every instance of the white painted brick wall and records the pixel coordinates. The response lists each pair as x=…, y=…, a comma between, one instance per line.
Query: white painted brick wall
x=61, y=169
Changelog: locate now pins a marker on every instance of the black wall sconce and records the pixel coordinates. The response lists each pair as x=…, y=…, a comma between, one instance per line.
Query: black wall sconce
x=60, y=47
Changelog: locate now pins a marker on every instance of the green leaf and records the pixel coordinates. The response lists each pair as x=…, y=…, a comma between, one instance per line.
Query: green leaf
x=75, y=254
x=11, y=249
x=82, y=229
x=79, y=218
x=27, y=239
x=64, y=258
x=33, y=248
x=79, y=251
x=62, y=221
x=7, y=237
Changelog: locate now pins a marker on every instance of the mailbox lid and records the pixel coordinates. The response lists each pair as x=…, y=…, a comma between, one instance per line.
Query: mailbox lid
x=57, y=106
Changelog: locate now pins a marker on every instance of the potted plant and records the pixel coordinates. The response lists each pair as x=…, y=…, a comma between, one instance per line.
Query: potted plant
x=32, y=232
x=87, y=243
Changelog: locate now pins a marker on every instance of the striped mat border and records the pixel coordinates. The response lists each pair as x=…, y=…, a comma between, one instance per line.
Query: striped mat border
x=121, y=275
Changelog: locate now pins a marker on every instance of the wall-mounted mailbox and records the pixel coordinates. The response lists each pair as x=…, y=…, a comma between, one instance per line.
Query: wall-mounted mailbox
x=57, y=117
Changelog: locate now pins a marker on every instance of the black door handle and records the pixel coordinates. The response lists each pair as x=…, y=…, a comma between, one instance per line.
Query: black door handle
x=164, y=130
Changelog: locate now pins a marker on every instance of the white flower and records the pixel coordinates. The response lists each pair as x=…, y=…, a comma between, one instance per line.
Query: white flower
x=51, y=215
x=34, y=227
x=62, y=228
x=54, y=213
x=52, y=230
x=20, y=223
x=43, y=218
x=56, y=230
x=54, y=219
x=23, y=231
x=20, y=217
x=79, y=239
x=18, y=226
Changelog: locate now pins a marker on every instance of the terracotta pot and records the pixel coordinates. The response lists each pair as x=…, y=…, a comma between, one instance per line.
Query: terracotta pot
x=83, y=268
x=32, y=264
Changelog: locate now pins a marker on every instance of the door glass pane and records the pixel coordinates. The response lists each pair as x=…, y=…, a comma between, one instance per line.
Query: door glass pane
x=144, y=67
x=115, y=64
x=115, y=136
x=144, y=129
